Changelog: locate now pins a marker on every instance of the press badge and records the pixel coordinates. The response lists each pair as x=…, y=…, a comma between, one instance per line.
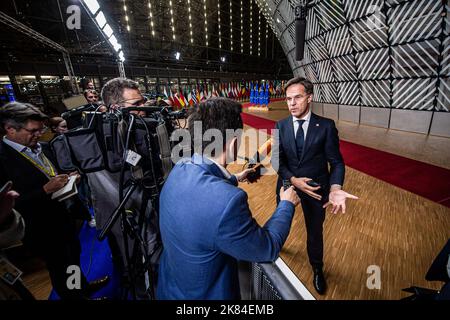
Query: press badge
x=133, y=158
x=8, y=272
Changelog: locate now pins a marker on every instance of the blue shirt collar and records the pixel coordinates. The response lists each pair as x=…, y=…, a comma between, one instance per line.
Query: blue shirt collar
x=21, y=148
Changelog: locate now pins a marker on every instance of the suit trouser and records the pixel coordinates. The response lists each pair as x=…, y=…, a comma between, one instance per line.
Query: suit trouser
x=314, y=216
x=58, y=244
x=58, y=255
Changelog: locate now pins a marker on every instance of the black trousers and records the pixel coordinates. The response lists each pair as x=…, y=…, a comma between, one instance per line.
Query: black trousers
x=58, y=260
x=59, y=253
x=314, y=216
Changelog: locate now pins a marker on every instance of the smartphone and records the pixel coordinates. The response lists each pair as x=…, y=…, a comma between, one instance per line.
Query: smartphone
x=6, y=187
x=312, y=183
x=286, y=184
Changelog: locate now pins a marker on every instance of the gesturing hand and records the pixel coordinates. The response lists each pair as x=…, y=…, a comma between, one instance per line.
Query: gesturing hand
x=300, y=183
x=337, y=200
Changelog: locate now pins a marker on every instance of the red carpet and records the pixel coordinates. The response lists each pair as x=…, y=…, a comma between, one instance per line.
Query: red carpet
x=423, y=179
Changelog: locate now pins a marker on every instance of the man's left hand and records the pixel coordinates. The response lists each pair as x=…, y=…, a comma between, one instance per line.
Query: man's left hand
x=78, y=177
x=337, y=200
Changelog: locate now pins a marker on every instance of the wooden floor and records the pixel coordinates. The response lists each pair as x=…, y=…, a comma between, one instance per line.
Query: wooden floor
x=387, y=227
x=38, y=283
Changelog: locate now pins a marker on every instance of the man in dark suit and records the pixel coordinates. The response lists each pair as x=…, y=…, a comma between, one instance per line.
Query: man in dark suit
x=50, y=231
x=304, y=147
x=206, y=224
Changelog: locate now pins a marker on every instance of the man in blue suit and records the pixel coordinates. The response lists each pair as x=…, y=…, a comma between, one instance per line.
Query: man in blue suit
x=305, y=145
x=205, y=221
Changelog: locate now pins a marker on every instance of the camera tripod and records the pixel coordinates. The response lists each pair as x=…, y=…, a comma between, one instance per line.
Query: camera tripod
x=139, y=258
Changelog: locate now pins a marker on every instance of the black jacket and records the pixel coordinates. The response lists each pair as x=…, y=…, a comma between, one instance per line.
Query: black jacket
x=47, y=221
x=320, y=150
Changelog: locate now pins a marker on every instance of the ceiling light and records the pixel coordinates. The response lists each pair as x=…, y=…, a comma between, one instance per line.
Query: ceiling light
x=101, y=20
x=121, y=56
x=92, y=5
x=108, y=31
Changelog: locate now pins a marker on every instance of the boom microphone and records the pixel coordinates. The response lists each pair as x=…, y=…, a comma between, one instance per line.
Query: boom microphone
x=300, y=29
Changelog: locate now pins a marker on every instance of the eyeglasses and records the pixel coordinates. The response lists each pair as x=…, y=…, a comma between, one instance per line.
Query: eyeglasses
x=136, y=103
x=296, y=98
x=92, y=97
x=36, y=131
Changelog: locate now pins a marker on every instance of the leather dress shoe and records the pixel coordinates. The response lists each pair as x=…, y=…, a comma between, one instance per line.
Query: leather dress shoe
x=319, y=281
x=96, y=285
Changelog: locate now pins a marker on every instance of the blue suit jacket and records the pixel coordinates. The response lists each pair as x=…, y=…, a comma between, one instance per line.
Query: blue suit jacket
x=321, y=148
x=206, y=226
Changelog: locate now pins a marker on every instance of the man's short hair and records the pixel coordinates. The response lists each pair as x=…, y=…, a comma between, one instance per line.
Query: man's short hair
x=215, y=113
x=300, y=80
x=112, y=91
x=87, y=91
x=17, y=114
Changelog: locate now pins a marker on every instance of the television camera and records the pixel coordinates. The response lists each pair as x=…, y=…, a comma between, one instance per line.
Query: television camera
x=134, y=144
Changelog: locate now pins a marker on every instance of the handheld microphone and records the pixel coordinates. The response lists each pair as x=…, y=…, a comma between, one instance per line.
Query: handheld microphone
x=255, y=162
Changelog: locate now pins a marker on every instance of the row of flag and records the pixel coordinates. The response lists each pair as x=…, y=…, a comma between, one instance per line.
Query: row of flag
x=257, y=93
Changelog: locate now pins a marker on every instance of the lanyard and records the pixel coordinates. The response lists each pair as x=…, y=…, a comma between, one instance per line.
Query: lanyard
x=48, y=170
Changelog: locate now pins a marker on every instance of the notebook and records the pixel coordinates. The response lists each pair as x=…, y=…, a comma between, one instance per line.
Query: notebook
x=69, y=190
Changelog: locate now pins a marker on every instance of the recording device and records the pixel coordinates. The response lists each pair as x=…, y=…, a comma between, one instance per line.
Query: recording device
x=255, y=162
x=135, y=145
x=155, y=112
x=98, y=140
x=286, y=184
x=312, y=183
x=73, y=117
x=301, y=12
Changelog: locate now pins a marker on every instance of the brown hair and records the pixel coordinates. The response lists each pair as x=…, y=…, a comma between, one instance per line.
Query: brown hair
x=215, y=113
x=17, y=114
x=54, y=122
x=300, y=80
x=112, y=91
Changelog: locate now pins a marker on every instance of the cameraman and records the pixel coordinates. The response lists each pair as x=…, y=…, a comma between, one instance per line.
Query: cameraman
x=117, y=94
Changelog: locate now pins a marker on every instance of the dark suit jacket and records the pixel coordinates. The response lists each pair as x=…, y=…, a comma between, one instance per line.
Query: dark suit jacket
x=206, y=225
x=47, y=222
x=321, y=149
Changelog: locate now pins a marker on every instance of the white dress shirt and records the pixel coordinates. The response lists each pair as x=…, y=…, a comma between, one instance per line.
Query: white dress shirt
x=305, y=125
